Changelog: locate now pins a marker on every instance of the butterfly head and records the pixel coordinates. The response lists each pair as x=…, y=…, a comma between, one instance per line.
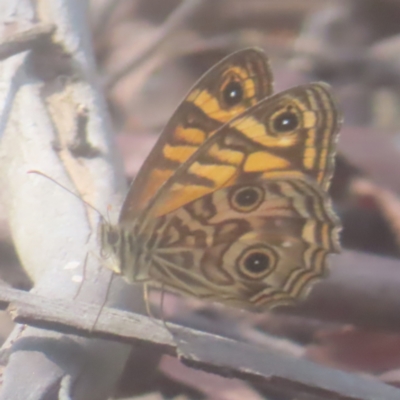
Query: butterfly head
x=119, y=251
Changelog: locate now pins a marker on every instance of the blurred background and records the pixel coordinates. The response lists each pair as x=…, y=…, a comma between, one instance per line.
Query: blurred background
x=150, y=52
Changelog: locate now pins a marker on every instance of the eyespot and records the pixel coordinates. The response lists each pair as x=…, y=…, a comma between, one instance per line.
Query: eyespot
x=256, y=262
x=246, y=198
x=232, y=91
x=286, y=121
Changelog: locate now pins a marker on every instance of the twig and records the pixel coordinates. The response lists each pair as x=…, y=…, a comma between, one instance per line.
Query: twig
x=171, y=24
x=386, y=200
x=52, y=240
x=103, y=19
x=374, y=153
x=197, y=349
x=25, y=40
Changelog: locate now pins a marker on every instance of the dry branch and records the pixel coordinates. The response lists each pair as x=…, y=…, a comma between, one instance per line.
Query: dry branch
x=261, y=366
x=39, y=119
x=373, y=152
x=179, y=16
x=25, y=40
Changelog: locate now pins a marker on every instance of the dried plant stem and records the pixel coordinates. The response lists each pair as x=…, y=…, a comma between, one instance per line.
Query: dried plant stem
x=25, y=40
x=175, y=20
x=259, y=365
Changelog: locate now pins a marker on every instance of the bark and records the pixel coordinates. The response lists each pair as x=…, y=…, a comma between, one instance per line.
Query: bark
x=54, y=120
x=263, y=366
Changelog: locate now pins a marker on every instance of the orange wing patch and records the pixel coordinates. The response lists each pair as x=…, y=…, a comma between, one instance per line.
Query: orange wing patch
x=236, y=83
x=270, y=140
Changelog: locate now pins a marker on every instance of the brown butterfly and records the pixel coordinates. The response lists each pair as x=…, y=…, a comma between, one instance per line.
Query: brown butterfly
x=231, y=203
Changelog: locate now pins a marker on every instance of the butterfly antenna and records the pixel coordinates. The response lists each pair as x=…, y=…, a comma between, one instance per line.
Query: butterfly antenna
x=68, y=190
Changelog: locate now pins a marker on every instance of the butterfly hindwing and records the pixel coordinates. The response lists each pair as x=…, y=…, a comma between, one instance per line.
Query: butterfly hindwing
x=253, y=245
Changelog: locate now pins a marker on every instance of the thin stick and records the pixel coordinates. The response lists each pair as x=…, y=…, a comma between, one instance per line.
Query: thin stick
x=186, y=9
x=104, y=18
x=25, y=40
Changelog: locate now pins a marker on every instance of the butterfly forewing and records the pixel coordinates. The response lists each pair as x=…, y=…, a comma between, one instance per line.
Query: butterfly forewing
x=233, y=85
x=292, y=133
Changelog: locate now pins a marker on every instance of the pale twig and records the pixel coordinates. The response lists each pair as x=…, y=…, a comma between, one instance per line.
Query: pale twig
x=25, y=40
x=190, y=44
x=259, y=365
x=180, y=15
x=52, y=242
x=105, y=15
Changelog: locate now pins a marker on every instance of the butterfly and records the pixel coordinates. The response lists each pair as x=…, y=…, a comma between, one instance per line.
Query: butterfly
x=231, y=205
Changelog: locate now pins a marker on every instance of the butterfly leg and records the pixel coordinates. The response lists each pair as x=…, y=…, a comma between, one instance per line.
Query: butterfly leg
x=83, y=276
x=103, y=303
x=146, y=297
x=162, y=308
x=110, y=281
x=148, y=305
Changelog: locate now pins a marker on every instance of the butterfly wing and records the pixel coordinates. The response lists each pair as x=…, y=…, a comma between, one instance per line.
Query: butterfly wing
x=246, y=220
x=291, y=134
x=236, y=83
x=255, y=245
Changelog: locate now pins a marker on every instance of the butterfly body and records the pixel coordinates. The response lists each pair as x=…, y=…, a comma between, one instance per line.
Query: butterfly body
x=231, y=204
